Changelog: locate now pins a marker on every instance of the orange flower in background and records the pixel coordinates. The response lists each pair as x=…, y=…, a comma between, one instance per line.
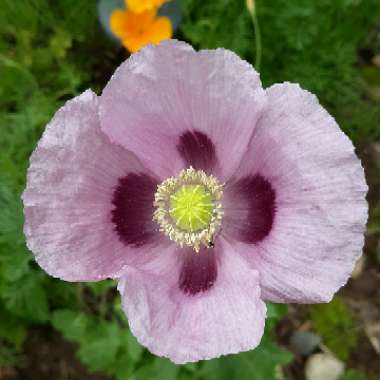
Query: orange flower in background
x=136, y=30
x=139, y=6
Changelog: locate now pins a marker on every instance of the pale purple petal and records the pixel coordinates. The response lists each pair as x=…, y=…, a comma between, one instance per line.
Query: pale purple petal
x=189, y=311
x=319, y=189
x=175, y=107
x=71, y=208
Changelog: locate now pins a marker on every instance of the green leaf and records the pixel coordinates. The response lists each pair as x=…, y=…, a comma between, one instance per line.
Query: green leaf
x=334, y=323
x=187, y=376
x=276, y=311
x=101, y=287
x=103, y=345
x=146, y=372
x=99, y=340
x=135, y=349
x=191, y=367
x=98, y=350
x=27, y=298
x=16, y=15
x=14, y=261
x=62, y=294
x=12, y=330
x=60, y=42
x=11, y=73
x=122, y=367
x=157, y=369
x=205, y=26
x=353, y=374
x=166, y=369
x=258, y=364
x=73, y=325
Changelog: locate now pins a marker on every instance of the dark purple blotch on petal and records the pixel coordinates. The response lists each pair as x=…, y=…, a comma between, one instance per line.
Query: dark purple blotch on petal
x=133, y=212
x=255, y=210
x=199, y=271
x=197, y=150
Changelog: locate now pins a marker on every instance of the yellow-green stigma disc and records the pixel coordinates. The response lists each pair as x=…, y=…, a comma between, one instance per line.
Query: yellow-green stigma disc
x=191, y=207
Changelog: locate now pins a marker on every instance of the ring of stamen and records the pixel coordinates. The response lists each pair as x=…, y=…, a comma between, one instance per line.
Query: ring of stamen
x=188, y=208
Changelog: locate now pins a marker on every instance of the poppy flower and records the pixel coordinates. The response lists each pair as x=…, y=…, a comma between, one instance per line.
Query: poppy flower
x=135, y=30
x=204, y=194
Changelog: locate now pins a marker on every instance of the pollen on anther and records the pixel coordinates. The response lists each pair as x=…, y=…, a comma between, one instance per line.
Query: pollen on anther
x=188, y=208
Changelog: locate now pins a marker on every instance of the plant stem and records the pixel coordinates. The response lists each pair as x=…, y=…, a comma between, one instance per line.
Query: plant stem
x=256, y=26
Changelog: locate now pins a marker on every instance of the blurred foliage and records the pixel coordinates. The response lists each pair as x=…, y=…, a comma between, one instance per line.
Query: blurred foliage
x=205, y=26
x=314, y=43
x=259, y=364
x=374, y=221
x=353, y=374
x=109, y=346
x=104, y=345
x=334, y=323
x=45, y=58
x=52, y=50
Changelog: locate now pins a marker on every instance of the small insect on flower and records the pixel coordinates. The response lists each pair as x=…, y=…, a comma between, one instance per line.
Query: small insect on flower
x=204, y=194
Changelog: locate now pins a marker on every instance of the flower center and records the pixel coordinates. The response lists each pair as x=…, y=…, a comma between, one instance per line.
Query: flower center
x=188, y=208
x=191, y=207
